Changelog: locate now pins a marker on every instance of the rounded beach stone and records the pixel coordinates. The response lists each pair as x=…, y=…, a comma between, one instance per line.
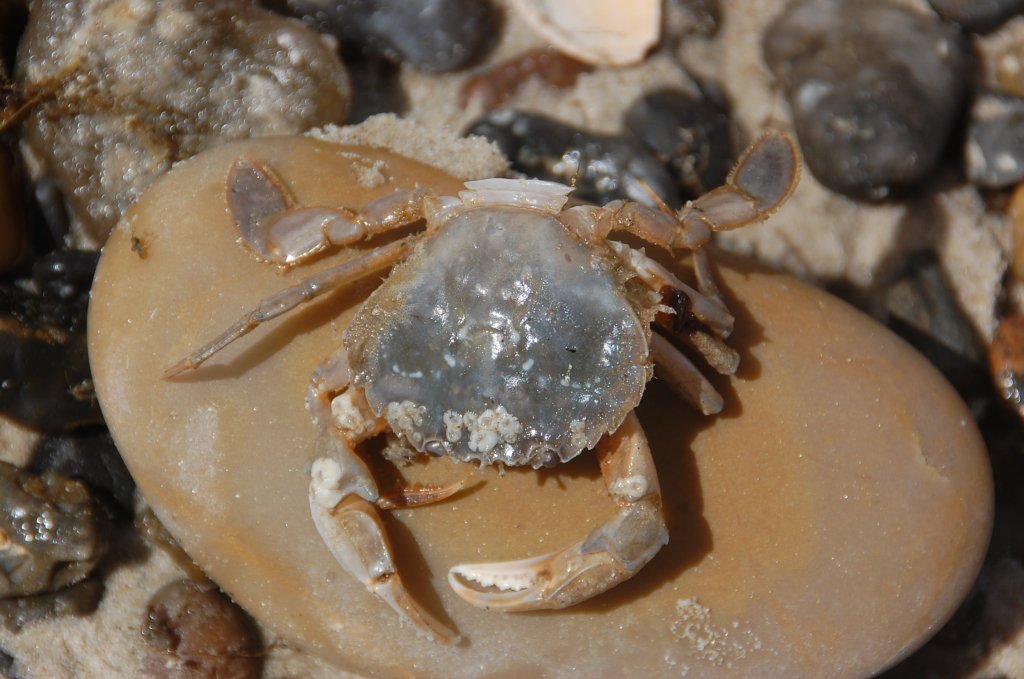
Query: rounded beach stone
x=825, y=524
x=875, y=88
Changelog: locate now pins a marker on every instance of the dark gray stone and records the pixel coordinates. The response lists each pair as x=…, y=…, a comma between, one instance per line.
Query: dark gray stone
x=689, y=134
x=602, y=168
x=433, y=35
x=89, y=456
x=979, y=16
x=45, y=381
x=875, y=90
x=994, y=153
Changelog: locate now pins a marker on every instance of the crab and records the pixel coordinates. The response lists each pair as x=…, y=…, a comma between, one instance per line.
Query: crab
x=511, y=330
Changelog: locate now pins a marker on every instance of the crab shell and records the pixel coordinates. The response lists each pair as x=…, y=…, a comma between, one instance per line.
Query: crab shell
x=504, y=337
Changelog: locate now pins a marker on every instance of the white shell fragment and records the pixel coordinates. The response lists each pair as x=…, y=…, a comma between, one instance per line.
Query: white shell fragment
x=600, y=32
x=533, y=193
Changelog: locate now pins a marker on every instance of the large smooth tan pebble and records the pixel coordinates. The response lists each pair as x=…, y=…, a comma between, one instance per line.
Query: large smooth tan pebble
x=824, y=525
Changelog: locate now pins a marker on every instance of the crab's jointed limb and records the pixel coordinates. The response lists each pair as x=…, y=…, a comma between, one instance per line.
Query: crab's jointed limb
x=341, y=499
x=276, y=230
x=758, y=185
x=290, y=298
x=609, y=555
x=343, y=495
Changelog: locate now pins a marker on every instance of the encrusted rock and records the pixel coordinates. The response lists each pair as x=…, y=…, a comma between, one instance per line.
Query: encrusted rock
x=52, y=532
x=874, y=86
x=136, y=86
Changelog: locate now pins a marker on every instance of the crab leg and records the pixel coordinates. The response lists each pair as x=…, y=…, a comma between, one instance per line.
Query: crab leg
x=757, y=186
x=609, y=555
x=342, y=493
x=683, y=377
x=340, y=496
x=762, y=179
x=288, y=299
x=689, y=316
x=704, y=309
x=272, y=227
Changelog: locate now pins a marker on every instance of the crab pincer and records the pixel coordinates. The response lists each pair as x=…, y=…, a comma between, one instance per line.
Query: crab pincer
x=607, y=556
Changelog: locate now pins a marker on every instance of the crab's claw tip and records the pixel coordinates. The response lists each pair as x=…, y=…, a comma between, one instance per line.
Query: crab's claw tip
x=504, y=586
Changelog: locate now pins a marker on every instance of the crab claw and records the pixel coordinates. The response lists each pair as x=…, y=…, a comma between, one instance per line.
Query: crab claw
x=611, y=554
x=340, y=495
x=355, y=536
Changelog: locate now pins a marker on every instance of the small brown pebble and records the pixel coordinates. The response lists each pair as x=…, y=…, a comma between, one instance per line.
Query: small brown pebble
x=194, y=631
x=1006, y=360
x=500, y=82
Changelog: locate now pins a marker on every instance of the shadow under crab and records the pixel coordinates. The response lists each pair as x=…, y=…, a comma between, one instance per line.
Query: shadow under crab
x=463, y=352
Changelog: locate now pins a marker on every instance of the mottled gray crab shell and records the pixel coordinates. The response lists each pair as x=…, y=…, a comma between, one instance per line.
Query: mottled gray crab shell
x=504, y=338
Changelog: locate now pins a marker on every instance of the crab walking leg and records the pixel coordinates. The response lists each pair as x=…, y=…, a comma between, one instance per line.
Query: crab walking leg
x=340, y=496
x=760, y=182
x=683, y=377
x=706, y=279
x=271, y=226
x=290, y=298
x=689, y=316
x=758, y=185
x=659, y=279
x=609, y=555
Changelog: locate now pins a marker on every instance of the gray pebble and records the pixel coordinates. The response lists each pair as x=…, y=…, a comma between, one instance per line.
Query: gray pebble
x=601, y=167
x=689, y=134
x=432, y=35
x=918, y=303
x=994, y=153
x=875, y=90
x=979, y=16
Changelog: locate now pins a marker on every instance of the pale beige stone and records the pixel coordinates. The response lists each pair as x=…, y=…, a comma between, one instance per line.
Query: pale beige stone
x=824, y=525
